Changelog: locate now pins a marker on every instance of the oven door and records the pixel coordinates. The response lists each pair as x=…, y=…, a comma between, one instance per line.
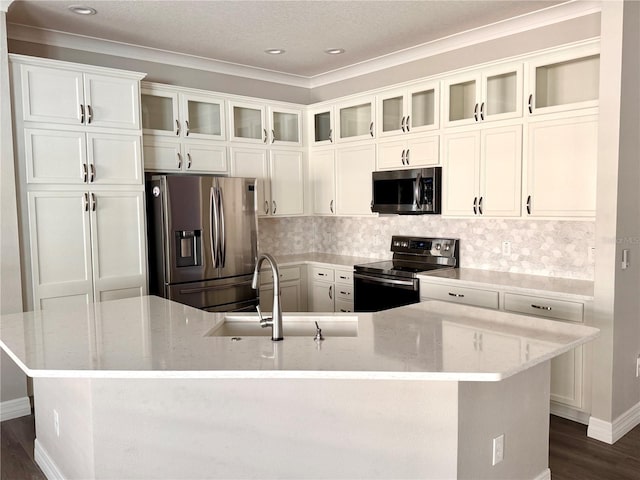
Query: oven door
x=373, y=293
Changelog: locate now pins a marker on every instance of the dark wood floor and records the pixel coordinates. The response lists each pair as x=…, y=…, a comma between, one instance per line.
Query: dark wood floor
x=572, y=455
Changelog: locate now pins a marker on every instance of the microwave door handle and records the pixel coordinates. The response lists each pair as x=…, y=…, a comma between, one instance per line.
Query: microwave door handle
x=417, y=189
x=213, y=204
x=223, y=236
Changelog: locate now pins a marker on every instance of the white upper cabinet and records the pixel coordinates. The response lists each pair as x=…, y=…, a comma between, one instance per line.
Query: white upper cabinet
x=322, y=167
x=65, y=96
x=409, y=110
x=254, y=163
x=355, y=119
x=413, y=152
x=183, y=115
x=486, y=95
x=564, y=81
x=354, y=165
x=260, y=123
x=321, y=121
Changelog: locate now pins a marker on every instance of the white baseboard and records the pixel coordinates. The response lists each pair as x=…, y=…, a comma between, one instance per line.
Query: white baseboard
x=46, y=463
x=611, y=432
x=544, y=475
x=570, y=413
x=19, y=407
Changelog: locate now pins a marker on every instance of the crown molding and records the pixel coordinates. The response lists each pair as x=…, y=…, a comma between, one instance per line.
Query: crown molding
x=4, y=5
x=522, y=23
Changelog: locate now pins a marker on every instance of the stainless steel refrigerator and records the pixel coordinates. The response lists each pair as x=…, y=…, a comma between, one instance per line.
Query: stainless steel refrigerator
x=202, y=233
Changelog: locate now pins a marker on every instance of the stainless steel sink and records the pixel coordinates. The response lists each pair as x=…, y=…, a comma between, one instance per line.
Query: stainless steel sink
x=293, y=326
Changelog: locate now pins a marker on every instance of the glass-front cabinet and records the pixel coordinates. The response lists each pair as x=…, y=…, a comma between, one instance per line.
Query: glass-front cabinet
x=184, y=115
x=321, y=129
x=490, y=94
x=355, y=119
x=286, y=126
x=264, y=124
x=409, y=110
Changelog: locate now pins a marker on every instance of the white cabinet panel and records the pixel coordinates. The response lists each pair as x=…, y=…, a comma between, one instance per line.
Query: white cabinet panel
x=254, y=163
x=202, y=117
x=54, y=156
x=461, y=173
x=355, y=119
x=247, y=122
x=285, y=126
x=114, y=159
x=323, y=181
x=160, y=112
x=354, y=166
x=205, y=158
x=286, y=182
x=162, y=156
x=112, y=101
x=322, y=297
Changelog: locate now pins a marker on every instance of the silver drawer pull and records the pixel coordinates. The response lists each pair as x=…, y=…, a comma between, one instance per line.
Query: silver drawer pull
x=460, y=295
x=342, y=292
x=541, y=307
x=342, y=277
x=322, y=274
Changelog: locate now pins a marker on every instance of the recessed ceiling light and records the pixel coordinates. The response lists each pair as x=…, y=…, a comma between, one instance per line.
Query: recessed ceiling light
x=274, y=51
x=82, y=10
x=334, y=51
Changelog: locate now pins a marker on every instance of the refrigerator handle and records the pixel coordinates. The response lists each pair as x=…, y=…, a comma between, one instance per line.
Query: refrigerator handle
x=223, y=237
x=213, y=203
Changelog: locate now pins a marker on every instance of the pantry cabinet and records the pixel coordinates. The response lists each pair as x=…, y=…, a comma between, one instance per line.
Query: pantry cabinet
x=409, y=110
x=482, y=172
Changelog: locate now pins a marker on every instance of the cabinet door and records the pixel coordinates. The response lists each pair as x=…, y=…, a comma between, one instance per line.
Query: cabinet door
x=461, y=173
x=203, y=117
x=247, y=122
x=321, y=124
x=322, y=297
x=423, y=151
x=355, y=120
x=392, y=113
x=391, y=155
x=501, y=93
x=423, y=108
x=286, y=126
x=461, y=105
x=561, y=167
x=55, y=156
x=354, y=166
x=60, y=248
x=160, y=112
x=253, y=163
x=287, y=183
x=500, y=172
x=112, y=101
x=162, y=155
x=323, y=181
x=118, y=244
x=205, y=158
x=114, y=159
x=52, y=96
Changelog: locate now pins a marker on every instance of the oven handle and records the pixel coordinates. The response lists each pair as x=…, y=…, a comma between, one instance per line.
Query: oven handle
x=387, y=281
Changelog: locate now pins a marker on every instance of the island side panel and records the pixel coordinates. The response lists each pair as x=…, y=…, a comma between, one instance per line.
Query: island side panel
x=289, y=428
x=71, y=450
x=517, y=407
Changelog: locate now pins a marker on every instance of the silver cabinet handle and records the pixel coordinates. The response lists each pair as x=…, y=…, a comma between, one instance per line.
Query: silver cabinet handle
x=273, y=136
x=179, y=161
x=402, y=124
x=84, y=173
x=89, y=113
x=529, y=205
x=343, y=292
x=264, y=131
x=331, y=292
x=407, y=156
x=188, y=160
x=475, y=112
x=371, y=129
x=186, y=122
x=86, y=202
x=330, y=135
x=214, y=226
x=482, y=111
x=331, y=206
x=530, y=103
x=93, y=202
x=92, y=175
x=403, y=157
x=480, y=206
x=541, y=307
x=81, y=113
x=223, y=237
x=458, y=295
x=407, y=123
x=266, y=207
x=321, y=274
x=475, y=205
x=177, y=127
x=417, y=192
x=275, y=206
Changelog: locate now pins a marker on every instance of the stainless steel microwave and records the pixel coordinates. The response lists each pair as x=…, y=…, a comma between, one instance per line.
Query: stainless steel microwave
x=405, y=192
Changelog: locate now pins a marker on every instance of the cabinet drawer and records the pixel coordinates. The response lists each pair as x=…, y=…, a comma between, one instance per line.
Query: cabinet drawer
x=344, y=291
x=544, y=307
x=344, y=276
x=322, y=274
x=286, y=274
x=464, y=295
x=343, y=305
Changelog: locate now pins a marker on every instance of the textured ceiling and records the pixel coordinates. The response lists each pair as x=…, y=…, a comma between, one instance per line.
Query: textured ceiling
x=239, y=31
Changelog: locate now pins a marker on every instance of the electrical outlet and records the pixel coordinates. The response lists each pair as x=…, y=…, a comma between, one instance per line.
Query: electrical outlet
x=56, y=422
x=506, y=248
x=591, y=254
x=498, y=449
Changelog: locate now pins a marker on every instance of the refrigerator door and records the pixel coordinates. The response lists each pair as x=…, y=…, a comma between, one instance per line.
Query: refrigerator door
x=238, y=231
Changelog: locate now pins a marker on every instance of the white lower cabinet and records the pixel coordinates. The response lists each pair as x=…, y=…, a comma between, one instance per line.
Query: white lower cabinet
x=321, y=297
x=86, y=246
x=292, y=285
x=331, y=289
x=467, y=296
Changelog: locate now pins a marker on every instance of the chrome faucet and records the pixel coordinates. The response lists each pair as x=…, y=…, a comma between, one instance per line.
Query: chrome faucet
x=275, y=321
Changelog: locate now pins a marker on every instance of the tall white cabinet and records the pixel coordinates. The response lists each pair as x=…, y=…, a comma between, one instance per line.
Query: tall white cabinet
x=81, y=186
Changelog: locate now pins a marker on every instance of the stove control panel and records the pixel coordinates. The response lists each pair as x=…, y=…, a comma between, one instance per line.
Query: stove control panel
x=434, y=247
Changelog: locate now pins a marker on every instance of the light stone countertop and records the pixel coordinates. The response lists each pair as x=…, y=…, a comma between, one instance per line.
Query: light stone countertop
x=151, y=337
x=517, y=282
x=337, y=261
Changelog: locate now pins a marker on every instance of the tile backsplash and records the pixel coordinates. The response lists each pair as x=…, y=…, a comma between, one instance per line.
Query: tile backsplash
x=538, y=247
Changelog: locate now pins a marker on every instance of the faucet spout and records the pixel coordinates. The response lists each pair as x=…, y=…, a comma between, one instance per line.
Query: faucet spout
x=276, y=320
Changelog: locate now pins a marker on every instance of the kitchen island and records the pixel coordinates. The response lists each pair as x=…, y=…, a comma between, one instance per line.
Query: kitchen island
x=148, y=388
